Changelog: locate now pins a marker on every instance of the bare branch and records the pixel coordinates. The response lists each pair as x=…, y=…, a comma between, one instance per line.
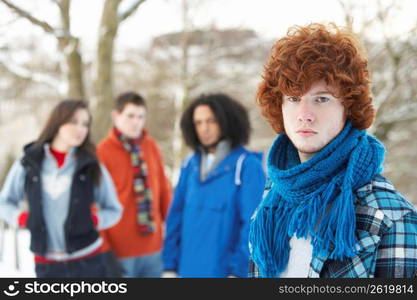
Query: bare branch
x=64, y=8
x=130, y=10
x=21, y=12
x=26, y=74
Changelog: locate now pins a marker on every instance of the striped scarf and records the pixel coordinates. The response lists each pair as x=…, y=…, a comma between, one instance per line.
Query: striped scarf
x=314, y=198
x=141, y=187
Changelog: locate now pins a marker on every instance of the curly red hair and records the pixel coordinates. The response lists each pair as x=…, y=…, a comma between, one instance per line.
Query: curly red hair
x=312, y=53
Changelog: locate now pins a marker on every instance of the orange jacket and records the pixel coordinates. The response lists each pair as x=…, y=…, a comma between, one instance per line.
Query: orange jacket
x=124, y=238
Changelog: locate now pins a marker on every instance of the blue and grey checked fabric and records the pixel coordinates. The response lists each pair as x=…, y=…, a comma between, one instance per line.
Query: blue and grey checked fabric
x=386, y=229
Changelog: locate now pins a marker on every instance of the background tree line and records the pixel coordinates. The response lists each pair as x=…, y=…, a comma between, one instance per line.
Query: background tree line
x=178, y=66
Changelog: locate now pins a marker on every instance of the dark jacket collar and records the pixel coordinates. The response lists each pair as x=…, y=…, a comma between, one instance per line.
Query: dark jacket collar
x=34, y=154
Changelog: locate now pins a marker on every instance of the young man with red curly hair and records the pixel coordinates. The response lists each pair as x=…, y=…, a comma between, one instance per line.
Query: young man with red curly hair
x=327, y=211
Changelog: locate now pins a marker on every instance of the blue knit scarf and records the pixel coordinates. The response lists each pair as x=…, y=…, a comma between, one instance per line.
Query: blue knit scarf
x=313, y=198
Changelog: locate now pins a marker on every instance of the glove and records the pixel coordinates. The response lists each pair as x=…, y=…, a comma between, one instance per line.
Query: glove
x=95, y=219
x=22, y=219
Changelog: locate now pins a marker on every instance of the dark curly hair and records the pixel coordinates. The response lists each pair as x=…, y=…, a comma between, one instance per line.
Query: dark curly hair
x=231, y=116
x=310, y=54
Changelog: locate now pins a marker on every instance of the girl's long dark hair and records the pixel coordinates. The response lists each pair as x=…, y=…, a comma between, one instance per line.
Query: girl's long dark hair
x=62, y=114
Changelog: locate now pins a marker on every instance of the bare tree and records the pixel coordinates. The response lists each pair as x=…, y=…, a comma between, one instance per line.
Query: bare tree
x=393, y=62
x=182, y=99
x=72, y=65
x=67, y=43
x=109, y=25
x=205, y=60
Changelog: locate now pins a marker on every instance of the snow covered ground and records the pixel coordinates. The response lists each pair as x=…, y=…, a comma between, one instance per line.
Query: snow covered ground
x=26, y=266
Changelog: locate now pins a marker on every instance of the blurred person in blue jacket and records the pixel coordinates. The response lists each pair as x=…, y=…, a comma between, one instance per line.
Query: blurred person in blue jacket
x=219, y=187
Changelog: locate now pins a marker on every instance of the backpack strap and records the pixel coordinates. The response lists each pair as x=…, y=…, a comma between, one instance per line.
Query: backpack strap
x=186, y=161
x=238, y=171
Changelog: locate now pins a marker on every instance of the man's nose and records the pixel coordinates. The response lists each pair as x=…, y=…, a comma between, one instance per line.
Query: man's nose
x=305, y=113
x=204, y=126
x=137, y=121
x=80, y=128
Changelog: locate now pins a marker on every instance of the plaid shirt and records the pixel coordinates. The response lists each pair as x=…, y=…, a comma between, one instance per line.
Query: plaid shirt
x=386, y=228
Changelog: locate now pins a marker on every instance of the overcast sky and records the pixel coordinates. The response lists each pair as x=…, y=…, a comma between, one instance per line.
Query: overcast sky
x=270, y=18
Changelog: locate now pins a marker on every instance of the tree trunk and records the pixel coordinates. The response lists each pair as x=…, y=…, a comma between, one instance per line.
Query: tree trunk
x=182, y=101
x=104, y=72
x=73, y=69
x=69, y=46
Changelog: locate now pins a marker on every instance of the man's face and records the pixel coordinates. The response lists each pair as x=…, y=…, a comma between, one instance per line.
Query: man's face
x=131, y=120
x=314, y=119
x=206, y=126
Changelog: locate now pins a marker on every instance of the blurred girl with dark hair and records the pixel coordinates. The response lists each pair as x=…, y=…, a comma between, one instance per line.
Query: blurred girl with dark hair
x=61, y=178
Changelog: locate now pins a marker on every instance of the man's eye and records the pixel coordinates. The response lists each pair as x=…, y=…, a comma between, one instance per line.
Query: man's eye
x=322, y=99
x=293, y=99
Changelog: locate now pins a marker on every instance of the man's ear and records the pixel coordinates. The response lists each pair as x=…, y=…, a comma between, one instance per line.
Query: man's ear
x=348, y=114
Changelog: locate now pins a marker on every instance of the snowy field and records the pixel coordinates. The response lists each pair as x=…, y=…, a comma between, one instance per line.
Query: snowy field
x=12, y=243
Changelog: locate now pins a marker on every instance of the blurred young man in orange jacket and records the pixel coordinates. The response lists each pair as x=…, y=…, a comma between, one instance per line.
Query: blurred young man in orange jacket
x=135, y=163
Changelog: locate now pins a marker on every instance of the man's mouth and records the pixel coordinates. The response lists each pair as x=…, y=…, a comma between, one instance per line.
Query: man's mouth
x=306, y=132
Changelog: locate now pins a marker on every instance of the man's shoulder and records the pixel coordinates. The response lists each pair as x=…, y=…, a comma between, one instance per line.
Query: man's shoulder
x=107, y=148
x=248, y=156
x=255, y=157
x=105, y=142
x=380, y=196
x=189, y=159
x=148, y=138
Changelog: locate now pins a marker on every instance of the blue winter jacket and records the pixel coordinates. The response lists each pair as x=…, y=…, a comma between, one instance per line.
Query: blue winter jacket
x=208, y=222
